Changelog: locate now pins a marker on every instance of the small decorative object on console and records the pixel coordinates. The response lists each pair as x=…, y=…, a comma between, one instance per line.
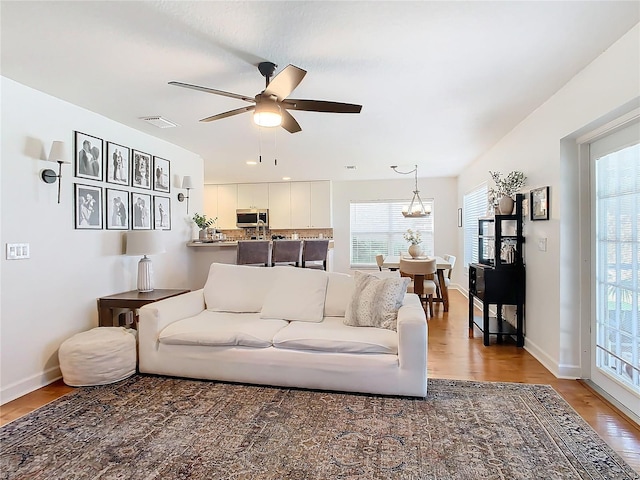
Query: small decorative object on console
x=502, y=195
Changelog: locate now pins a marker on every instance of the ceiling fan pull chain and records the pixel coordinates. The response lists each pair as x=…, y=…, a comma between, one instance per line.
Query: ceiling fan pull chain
x=275, y=147
x=260, y=144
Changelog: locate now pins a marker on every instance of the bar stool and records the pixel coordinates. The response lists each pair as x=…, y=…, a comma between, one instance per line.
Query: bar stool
x=286, y=251
x=315, y=251
x=253, y=252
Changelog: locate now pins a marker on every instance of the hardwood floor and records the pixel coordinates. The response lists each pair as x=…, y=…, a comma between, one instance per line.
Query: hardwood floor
x=453, y=355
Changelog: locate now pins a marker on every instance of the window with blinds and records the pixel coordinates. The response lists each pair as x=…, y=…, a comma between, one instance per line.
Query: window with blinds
x=474, y=206
x=377, y=227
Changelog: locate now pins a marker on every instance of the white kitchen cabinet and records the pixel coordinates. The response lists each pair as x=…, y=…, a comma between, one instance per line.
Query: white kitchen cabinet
x=210, y=200
x=253, y=195
x=227, y=205
x=311, y=204
x=280, y=205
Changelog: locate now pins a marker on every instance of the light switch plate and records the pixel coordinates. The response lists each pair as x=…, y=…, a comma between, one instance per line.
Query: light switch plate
x=17, y=251
x=542, y=244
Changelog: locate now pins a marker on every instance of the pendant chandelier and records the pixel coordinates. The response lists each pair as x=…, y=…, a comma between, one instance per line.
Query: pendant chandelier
x=416, y=208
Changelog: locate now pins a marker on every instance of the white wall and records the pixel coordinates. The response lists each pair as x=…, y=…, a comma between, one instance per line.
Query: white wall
x=445, y=211
x=609, y=85
x=52, y=295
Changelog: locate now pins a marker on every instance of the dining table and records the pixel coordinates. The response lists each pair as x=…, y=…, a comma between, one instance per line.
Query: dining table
x=392, y=262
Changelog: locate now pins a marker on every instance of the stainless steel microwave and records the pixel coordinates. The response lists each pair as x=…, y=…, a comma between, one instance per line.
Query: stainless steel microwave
x=248, y=217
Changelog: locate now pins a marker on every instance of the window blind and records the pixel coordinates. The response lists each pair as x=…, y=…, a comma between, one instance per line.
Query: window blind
x=474, y=206
x=377, y=227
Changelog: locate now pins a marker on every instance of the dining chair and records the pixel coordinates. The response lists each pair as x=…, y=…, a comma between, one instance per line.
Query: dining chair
x=447, y=279
x=286, y=251
x=253, y=252
x=423, y=273
x=315, y=251
x=380, y=261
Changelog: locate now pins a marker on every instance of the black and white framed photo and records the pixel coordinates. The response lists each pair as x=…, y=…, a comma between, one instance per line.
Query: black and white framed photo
x=141, y=170
x=162, y=213
x=88, y=207
x=539, y=200
x=161, y=175
x=117, y=164
x=88, y=152
x=141, y=211
x=117, y=209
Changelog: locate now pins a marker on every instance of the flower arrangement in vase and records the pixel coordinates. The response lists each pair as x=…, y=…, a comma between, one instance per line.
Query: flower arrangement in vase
x=414, y=239
x=203, y=223
x=502, y=195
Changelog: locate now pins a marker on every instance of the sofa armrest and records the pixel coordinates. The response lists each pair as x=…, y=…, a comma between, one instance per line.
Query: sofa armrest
x=412, y=334
x=156, y=316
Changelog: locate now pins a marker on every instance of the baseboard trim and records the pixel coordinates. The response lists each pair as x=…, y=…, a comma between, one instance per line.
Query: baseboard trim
x=622, y=410
x=28, y=385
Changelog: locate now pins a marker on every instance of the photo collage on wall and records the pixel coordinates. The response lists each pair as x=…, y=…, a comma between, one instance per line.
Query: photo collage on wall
x=119, y=188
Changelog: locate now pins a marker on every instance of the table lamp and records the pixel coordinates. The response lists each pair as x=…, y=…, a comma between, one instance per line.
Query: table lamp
x=144, y=242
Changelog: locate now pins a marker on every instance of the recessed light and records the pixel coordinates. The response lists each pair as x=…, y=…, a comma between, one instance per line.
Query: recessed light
x=251, y=162
x=286, y=178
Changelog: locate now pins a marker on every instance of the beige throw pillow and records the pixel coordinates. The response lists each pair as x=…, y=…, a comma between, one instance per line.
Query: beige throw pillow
x=376, y=301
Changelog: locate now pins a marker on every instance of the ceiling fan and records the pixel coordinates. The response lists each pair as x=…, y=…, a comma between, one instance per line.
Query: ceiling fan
x=270, y=107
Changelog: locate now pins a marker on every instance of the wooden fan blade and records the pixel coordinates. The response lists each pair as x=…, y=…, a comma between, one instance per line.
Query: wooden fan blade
x=289, y=123
x=285, y=82
x=230, y=113
x=214, y=91
x=320, y=106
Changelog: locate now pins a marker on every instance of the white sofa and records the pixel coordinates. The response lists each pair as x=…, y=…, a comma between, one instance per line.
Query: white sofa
x=282, y=326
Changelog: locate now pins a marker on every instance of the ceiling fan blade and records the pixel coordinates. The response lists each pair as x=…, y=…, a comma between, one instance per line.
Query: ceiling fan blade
x=230, y=113
x=320, y=106
x=285, y=82
x=214, y=91
x=289, y=123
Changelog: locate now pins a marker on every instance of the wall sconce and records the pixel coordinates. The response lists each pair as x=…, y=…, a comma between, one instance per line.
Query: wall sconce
x=187, y=184
x=57, y=154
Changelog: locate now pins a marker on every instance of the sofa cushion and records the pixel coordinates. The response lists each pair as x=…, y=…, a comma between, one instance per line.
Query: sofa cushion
x=220, y=328
x=333, y=336
x=296, y=294
x=376, y=301
x=339, y=292
x=237, y=288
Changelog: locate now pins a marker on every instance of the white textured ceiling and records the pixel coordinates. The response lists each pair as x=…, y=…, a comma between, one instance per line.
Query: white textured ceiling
x=440, y=82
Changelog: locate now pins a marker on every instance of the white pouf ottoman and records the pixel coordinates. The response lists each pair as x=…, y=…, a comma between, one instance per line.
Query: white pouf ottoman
x=99, y=356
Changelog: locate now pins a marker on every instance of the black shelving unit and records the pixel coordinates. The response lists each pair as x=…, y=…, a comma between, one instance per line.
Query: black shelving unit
x=499, y=276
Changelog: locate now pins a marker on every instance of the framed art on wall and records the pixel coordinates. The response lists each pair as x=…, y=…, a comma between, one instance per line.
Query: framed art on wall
x=161, y=175
x=117, y=164
x=88, y=207
x=162, y=213
x=117, y=209
x=141, y=170
x=539, y=200
x=141, y=211
x=88, y=155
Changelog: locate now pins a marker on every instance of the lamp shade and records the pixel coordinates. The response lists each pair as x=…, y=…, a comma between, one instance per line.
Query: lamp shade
x=187, y=182
x=144, y=242
x=58, y=152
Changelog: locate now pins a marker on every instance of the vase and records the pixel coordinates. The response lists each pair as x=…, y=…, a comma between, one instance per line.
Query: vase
x=506, y=205
x=202, y=234
x=415, y=250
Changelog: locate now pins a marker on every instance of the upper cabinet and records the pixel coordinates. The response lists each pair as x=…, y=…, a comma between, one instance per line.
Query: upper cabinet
x=210, y=199
x=227, y=205
x=253, y=195
x=280, y=205
x=311, y=205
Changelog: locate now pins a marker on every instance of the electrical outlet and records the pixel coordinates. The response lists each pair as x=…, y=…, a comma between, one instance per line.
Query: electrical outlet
x=17, y=251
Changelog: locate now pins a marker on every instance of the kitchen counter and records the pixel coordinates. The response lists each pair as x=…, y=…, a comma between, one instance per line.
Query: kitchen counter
x=230, y=243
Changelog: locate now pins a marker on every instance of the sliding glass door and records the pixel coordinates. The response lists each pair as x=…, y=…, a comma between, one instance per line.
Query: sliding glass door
x=615, y=328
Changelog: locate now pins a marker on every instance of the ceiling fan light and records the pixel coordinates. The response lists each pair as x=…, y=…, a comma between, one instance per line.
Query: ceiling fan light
x=267, y=114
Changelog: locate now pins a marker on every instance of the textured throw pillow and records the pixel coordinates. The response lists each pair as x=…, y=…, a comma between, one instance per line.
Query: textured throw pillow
x=376, y=301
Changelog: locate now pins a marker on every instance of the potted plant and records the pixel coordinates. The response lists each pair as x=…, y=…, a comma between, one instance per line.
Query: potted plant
x=203, y=224
x=415, y=240
x=504, y=192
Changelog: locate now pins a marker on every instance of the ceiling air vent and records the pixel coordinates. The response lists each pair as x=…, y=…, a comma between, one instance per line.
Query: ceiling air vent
x=350, y=167
x=160, y=122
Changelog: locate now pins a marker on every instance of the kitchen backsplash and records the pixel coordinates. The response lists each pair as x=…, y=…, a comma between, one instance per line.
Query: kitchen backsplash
x=247, y=233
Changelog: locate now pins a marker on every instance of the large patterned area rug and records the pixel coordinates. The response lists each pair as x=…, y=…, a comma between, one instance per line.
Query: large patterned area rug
x=165, y=428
